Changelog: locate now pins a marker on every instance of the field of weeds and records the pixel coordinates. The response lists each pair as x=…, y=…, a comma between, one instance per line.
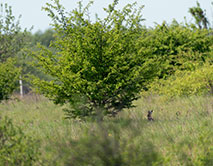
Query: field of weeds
x=180, y=135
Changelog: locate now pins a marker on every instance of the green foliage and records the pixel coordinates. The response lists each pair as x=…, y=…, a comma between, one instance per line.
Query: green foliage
x=8, y=78
x=200, y=16
x=200, y=146
x=98, y=61
x=184, y=54
x=44, y=38
x=15, y=147
x=12, y=39
x=177, y=47
x=103, y=146
x=172, y=139
x=185, y=83
x=25, y=62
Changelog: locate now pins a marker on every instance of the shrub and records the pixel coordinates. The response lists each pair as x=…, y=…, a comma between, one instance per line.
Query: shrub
x=9, y=76
x=186, y=83
x=103, y=146
x=16, y=148
x=177, y=46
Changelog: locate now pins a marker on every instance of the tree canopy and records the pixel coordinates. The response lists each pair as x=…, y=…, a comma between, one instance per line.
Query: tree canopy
x=96, y=62
x=11, y=42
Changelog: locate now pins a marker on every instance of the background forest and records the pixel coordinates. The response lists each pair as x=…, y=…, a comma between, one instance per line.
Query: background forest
x=79, y=93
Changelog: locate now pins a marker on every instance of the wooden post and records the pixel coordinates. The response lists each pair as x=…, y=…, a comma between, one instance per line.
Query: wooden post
x=21, y=87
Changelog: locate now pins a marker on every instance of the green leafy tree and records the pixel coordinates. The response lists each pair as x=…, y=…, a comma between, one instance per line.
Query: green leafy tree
x=183, y=50
x=177, y=46
x=24, y=61
x=11, y=42
x=44, y=38
x=8, y=79
x=200, y=16
x=97, y=67
x=11, y=37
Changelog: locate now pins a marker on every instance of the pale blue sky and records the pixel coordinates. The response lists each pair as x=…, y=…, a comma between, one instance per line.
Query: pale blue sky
x=154, y=11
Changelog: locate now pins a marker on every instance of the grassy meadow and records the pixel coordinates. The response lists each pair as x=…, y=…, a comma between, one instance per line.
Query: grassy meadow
x=181, y=133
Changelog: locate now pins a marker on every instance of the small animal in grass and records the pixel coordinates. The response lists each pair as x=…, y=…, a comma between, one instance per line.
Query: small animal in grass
x=178, y=114
x=149, y=115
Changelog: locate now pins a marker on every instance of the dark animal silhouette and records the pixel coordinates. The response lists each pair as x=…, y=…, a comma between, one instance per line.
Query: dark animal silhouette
x=178, y=114
x=149, y=115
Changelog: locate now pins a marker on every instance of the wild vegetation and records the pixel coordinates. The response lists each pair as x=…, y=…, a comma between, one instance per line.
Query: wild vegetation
x=181, y=133
x=92, y=83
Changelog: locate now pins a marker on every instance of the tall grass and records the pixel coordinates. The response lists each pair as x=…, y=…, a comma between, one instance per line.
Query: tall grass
x=181, y=133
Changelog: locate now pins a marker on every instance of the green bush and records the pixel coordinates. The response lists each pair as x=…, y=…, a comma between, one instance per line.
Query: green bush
x=177, y=47
x=9, y=76
x=16, y=149
x=185, y=83
x=103, y=145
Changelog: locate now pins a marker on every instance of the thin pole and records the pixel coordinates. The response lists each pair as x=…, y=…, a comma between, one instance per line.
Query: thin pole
x=21, y=87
